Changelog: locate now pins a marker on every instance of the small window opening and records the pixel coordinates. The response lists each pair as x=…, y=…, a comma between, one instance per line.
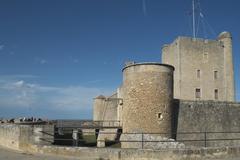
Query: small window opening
x=198, y=93
x=215, y=74
x=216, y=94
x=190, y=106
x=205, y=56
x=160, y=116
x=198, y=73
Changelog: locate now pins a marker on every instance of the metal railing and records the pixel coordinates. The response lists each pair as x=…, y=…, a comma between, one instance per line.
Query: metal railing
x=198, y=139
x=86, y=124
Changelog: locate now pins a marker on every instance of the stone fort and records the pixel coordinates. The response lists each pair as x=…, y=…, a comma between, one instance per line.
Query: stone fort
x=183, y=108
x=203, y=68
x=192, y=90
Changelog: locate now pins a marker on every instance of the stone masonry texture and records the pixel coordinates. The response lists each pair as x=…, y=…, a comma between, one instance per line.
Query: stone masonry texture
x=220, y=120
x=147, y=98
x=188, y=55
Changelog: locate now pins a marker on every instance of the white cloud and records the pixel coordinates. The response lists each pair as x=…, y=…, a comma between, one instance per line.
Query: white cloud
x=75, y=97
x=40, y=60
x=75, y=61
x=18, y=76
x=16, y=94
x=94, y=81
x=43, y=61
x=68, y=98
x=18, y=83
x=2, y=47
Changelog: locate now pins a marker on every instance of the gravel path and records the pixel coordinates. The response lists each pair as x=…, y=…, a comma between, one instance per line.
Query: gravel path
x=6, y=154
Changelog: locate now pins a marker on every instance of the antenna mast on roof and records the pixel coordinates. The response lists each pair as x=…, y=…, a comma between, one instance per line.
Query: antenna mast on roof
x=199, y=18
x=193, y=25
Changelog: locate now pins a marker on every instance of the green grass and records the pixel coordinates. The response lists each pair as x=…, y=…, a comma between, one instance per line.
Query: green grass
x=89, y=140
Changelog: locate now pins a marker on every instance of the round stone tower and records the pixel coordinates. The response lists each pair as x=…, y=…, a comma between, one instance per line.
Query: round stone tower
x=226, y=39
x=147, y=98
x=98, y=108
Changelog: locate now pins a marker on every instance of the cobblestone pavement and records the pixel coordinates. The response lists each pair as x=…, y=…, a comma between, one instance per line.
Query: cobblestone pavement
x=6, y=154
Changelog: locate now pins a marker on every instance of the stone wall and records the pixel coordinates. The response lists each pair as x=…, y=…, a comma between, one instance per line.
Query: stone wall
x=120, y=104
x=208, y=116
x=9, y=136
x=20, y=137
x=105, y=108
x=142, y=154
x=43, y=134
x=188, y=55
x=226, y=39
x=148, y=141
x=147, y=98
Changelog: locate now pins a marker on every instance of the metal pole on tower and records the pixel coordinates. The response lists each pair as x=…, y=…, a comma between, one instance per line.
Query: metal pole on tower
x=193, y=8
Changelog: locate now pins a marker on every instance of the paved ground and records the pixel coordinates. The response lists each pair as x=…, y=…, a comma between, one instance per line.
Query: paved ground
x=225, y=159
x=6, y=154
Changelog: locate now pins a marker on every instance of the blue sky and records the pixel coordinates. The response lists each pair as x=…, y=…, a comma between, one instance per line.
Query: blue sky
x=55, y=56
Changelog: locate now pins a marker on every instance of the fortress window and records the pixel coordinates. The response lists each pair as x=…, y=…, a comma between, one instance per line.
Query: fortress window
x=216, y=94
x=160, y=116
x=198, y=73
x=205, y=57
x=215, y=74
x=198, y=93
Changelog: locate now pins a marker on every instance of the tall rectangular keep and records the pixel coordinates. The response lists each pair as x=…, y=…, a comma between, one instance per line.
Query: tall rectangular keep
x=203, y=68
